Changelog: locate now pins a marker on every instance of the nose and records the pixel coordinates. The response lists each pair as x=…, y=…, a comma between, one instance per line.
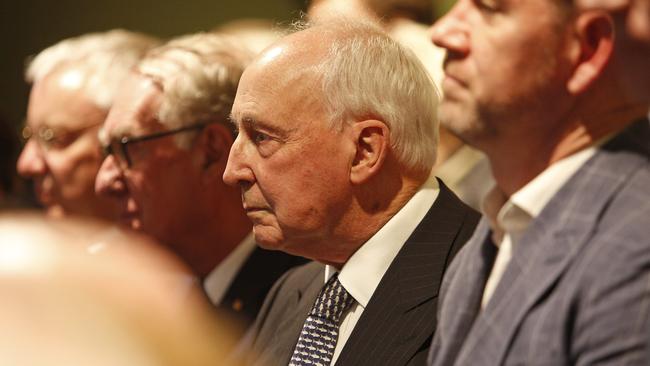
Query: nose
x=110, y=179
x=31, y=162
x=237, y=170
x=451, y=32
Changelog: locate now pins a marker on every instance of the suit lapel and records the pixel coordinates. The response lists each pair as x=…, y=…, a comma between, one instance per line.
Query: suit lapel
x=464, y=289
x=549, y=246
x=246, y=293
x=398, y=320
x=299, y=302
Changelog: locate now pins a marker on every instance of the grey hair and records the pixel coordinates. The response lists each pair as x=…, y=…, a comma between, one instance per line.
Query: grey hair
x=367, y=74
x=198, y=75
x=105, y=57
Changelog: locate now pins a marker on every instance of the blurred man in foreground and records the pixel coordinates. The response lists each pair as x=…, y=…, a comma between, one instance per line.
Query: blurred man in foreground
x=130, y=304
x=73, y=85
x=557, y=272
x=167, y=138
x=337, y=137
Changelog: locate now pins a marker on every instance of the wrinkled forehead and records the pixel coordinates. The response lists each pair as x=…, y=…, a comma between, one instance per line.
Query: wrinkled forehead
x=135, y=109
x=287, y=71
x=284, y=96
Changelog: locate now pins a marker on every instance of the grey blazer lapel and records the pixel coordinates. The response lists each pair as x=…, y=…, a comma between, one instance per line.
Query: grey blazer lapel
x=549, y=246
x=399, y=319
x=462, y=290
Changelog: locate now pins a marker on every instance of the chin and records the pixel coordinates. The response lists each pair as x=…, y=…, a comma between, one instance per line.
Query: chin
x=268, y=238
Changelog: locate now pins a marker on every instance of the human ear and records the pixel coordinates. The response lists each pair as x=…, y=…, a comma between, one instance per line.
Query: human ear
x=372, y=147
x=595, y=33
x=216, y=140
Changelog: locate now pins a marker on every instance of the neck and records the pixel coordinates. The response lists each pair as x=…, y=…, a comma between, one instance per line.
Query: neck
x=214, y=234
x=523, y=158
x=374, y=204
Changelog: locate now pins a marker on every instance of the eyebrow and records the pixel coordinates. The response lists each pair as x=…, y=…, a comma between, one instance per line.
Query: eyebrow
x=250, y=122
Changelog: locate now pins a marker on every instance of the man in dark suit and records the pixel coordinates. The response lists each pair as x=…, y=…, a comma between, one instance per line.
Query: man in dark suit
x=167, y=141
x=558, y=271
x=337, y=137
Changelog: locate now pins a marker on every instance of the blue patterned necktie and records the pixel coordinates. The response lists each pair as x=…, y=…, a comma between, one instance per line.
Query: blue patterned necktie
x=321, y=329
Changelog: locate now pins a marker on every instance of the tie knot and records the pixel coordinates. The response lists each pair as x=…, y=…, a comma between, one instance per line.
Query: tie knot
x=332, y=301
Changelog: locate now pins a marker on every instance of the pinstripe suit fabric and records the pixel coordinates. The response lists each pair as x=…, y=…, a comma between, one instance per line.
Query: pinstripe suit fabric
x=577, y=290
x=397, y=325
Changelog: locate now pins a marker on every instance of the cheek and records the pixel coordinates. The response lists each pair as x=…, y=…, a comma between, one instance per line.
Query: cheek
x=308, y=197
x=75, y=170
x=178, y=191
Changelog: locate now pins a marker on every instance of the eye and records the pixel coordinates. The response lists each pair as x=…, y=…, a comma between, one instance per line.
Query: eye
x=260, y=137
x=487, y=5
x=59, y=141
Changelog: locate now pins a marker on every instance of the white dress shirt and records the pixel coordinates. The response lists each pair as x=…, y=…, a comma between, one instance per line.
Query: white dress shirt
x=362, y=273
x=218, y=281
x=509, y=218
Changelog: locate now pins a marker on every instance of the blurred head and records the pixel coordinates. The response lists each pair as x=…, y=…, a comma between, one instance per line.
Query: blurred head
x=321, y=126
x=635, y=12
x=168, y=140
x=373, y=10
x=73, y=85
x=129, y=304
x=531, y=82
x=507, y=61
x=254, y=34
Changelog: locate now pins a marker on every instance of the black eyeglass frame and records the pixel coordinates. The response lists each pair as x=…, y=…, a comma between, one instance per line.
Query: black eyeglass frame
x=123, y=143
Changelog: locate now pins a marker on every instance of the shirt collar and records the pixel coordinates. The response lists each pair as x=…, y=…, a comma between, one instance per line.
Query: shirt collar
x=362, y=273
x=513, y=215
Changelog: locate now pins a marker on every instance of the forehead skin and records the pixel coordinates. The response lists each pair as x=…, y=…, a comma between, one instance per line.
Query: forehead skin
x=286, y=72
x=134, y=110
x=58, y=101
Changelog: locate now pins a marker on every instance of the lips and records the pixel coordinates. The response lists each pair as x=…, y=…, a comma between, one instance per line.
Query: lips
x=452, y=79
x=130, y=215
x=249, y=209
x=43, y=192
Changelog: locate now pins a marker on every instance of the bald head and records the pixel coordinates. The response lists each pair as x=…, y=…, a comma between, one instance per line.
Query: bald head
x=332, y=64
x=317, y=107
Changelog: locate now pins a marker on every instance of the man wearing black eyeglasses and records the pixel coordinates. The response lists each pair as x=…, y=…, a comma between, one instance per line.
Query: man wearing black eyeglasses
x=166, y=141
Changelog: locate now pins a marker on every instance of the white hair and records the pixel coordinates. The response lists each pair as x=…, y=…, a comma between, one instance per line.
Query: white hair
x=105, y=58
x=198, y=75
x=367, y=74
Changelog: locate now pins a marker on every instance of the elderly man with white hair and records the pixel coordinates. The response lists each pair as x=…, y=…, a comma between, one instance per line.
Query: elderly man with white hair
x=167, y=139
x=74, y=84
x=337, y=138
x=463, y=169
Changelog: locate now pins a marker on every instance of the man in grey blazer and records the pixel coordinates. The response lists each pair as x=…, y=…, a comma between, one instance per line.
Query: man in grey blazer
x=337, y=138
x=558, y=271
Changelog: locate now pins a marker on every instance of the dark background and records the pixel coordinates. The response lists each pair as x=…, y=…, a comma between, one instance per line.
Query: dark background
x=28, y=26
